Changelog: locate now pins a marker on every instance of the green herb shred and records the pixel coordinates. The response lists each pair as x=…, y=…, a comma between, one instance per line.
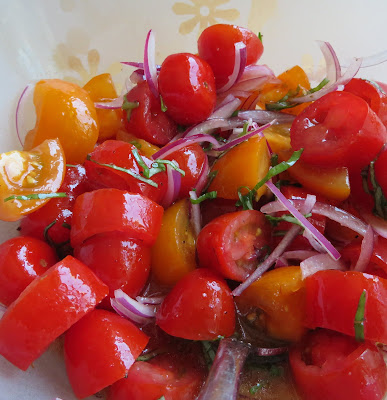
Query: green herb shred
x=359, y=317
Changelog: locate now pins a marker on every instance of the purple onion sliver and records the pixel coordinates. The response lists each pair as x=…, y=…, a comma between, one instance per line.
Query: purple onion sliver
x=123, y=312
x=138, y=65
x=227, y=109
x=270, y=351
x=256, y=71
x=320, y=262
x=196, y=218
x=299, y=254
x=208, y=126
x=333, y=69
x=263, y=116
x=150, y=300
x=150, y=63
x=142, y=310
x=203, y=177
x=173, y=187
x=137, y=76
x=378, y=224
x=224, y=101
x=19, y=111
x=366, y=250
x=110, y=105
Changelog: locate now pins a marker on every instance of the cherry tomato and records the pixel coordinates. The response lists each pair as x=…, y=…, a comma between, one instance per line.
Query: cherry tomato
x=99, y=350
x=22, y=173
x=338, y=130
x=215, y=208
x=46, y=309
x=328, y=365
x=119, y=261
x=173, y=254
x=187, y=87
x=22, y=259
x=176, y=376
x=120, y=154
x=232, y=243
x=148, y=121
x=380, y=171
x=58, y=211
x=332, y=299
x=132, y=213
x=199, y=307
x=216, y=46
x=101, y=88
x=142, y=145
x=64, y=111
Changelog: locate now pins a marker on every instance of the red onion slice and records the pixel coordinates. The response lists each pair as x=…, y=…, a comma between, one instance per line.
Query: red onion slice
x=142, y=310
x=138, y=65
x=299, y=254
x=110, y=105
x=150, y=300
x=223, y=379
x=20, y=110
x=210, y=124
x=225, y=109
x=203, y=177
x=320, y=262
x=173, y=188
x=124, y=312
x=270, y=351
x=137, y=76
x=378, y=224
x=367, y=248
x=332, y=63
x=263, y=117
x=196, y=218
x=256, y=71
x=150, y=63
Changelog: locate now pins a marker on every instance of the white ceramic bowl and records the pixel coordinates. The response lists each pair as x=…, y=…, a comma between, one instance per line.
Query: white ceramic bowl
x=77, y=39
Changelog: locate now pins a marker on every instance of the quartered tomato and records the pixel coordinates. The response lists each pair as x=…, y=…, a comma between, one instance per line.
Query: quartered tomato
x=64, y=111
x=22, y=173
x=233, y=243
x=329, y=365
x=338, y=130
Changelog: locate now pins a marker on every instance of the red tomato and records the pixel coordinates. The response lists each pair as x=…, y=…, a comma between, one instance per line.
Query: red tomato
x=59, y=210
x=191, y=160
x=328, y=365
x=199, y=307
x=99, y=350
x=147, y=121
x=216, y=46
x=120, y=154
x=187, y=87
x=372, y=93
x=22, y=259
x=46, y=309
x=215, y=208
x=332, y=299
x=172, y=375
x=338, y=130
x=132, y=213
x=232, y=243
x=380, y=171
x=120, y=262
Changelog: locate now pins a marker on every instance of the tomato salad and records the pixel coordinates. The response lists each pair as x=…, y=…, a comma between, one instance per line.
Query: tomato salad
x=215, y=231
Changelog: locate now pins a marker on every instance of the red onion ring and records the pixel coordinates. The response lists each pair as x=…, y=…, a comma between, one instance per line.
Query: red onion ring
x=263, y=116
x=19, y=109
x=298, y=254
x=367, y=248
x=173, y=188
x=256, y=71
x=239, y=66
x=196, y=218
x=270, y=351
x=110, y=105
x=210, y=124
x=378, y=224
x=150, y=63
x=203, y=177
x=138, y=65
x=142, y=310
x=226, y=109
x=332, y=63
x=320, y=262
x=124, y=312
x=150, y=300
x=137, y=76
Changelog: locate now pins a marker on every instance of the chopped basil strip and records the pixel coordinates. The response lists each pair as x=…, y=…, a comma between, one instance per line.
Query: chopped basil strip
x=209, y=352
x=141, y=163
x=150, y=355
x=260, y=36
x=279, y=233
x=375, y=84
x=127, y=171
x=246, y=200
x=163, y=106
x=274, y=160
x=71, y=165
x=380, y=201
x=128, y=106
x=36, y=196
x=323, y=83
x=276, y=370
x=205, y=196
x=211, y=177
x=136, y=143
x=256, y=388
x=359, y=317
x=274, y=221
x=173, y=164
x=66, y=225
x=46, y=236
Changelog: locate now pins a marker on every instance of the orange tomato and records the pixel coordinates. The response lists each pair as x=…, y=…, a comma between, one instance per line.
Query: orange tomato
x=101, y=88
x=64, y=111
x=145, y=147
x=173, y=254
x=280, y=293
x=22, y=173
x=244, y=165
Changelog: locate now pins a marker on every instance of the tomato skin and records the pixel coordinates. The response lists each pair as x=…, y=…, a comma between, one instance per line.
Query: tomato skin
x=120, y=154
x=46, y=309
x=147, y=121
x=199, y=307
x=172, y=375
x=216, y=46
x=328, y=365
x=128, y=212
x=332, y=299
x=22, y=259
x=119, y=261
x=187, y=86
x=230, y=243
x=336, y=130
x=59, y=210
x=99, y=350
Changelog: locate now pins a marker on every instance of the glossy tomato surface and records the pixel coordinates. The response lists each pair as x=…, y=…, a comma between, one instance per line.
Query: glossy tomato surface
x=46, y=309
x=199, y=307
x=99, y=350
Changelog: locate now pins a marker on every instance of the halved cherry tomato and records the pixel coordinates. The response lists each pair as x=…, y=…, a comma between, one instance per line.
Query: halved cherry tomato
x=173, y=254
x=22, y=259
x=244, y=165
x=216, y=46
x=199, y=307
x=232, y=243
x=119, y=261
x=187, y=87
x=328, y=365
x=46, y=309
x=332, y=299
x=338, y=130
x=101, y=88
x=131, y=213
x=58, y=211
x=120, y=154
x=99, y=350
x=142, y=145
x=40, y=170
x=64, y=111
x=380, y=171
x=176, y=376
x=148, y=121
x=215, y=208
